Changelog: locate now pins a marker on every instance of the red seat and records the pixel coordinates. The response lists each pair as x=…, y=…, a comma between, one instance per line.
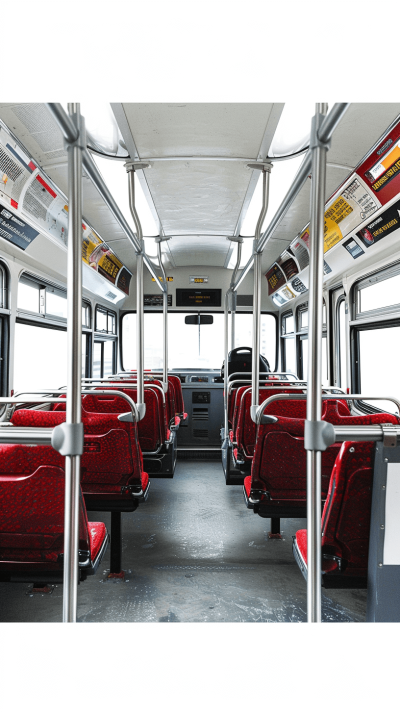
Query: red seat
x=111, y=466
x=151, y=429
x=32, y=519
x=278, y=474
x=345, y=520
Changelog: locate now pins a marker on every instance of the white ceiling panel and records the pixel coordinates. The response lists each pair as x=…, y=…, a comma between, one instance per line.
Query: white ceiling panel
x=194, y=129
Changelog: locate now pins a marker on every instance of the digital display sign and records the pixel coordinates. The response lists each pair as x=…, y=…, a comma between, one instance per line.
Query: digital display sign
x=198, y=298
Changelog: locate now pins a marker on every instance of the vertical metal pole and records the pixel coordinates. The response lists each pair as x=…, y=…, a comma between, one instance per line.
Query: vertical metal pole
x=74, y=349
x=314, y=402
x=139, y=296
x=255, y=376
x=165, y=317
x=139, y=329
x=233, y=326
x=165, y=337
x=226, y=350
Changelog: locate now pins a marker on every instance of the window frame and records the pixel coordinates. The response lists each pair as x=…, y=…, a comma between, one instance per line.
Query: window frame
x=197, y=312
x=105, y=311
x=384, y=317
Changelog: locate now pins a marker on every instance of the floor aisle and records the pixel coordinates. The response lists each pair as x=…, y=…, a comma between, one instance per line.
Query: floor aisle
x=193, y=553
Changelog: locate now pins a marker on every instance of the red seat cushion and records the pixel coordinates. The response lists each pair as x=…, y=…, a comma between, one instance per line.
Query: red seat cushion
x=97, y=533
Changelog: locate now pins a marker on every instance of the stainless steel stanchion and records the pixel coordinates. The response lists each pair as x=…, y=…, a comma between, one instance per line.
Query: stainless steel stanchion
x=74, y=348
x=313, y=423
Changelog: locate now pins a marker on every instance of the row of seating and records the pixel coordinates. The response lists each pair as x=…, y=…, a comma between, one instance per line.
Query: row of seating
x=113, y=478
x=276, y=485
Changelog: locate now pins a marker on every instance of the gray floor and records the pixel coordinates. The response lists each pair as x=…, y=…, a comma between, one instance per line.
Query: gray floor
x=193, y=553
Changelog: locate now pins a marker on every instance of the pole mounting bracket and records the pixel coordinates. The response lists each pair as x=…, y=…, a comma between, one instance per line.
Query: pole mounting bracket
x=161, y=239
x=264, y=166
x=136, y=165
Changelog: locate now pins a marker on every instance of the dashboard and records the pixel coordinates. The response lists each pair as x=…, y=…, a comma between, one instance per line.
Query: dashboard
x=199, y=376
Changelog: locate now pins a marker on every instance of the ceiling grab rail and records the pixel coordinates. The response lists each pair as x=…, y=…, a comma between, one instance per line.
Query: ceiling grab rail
x=130, y=168
x=255, y=371
x=327, y=128
x=70, y=134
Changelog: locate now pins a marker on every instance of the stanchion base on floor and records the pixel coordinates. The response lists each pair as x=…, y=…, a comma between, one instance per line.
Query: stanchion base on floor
x=275, y=532
x=116, y=576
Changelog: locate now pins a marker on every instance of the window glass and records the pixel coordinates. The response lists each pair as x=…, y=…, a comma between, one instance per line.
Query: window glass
x=342, y=342
x=40, y=358
x=97, y=359
x=28, y=297
x=380, y=294
x=303, y=319
x=108, y=357
x=324, y=363
x=290, y=355
x=84, y=338
x=101, y=321
x=85, y=315
x=188, y=346
x=56, y=304
x=376, y=378
x=244, y=332
x=111, y=323
x=288, y=324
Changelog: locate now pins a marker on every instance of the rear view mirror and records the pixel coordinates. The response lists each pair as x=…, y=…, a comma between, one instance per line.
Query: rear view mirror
x=199, y=319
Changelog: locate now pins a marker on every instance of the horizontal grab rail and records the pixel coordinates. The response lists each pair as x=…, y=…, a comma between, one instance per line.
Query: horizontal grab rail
x=347, y=397
x=276, y=375
x=262, y=385
x=56, y=400
x=10, y=434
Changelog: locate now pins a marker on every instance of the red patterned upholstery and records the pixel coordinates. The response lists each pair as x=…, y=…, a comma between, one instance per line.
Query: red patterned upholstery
x=279, y=463
x=32, y=513
x=245, y=433
x=346, y=515
x=150, y=428
x=112, y=458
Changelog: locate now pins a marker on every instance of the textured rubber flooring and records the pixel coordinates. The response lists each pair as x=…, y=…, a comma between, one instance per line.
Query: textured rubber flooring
x=192, y=553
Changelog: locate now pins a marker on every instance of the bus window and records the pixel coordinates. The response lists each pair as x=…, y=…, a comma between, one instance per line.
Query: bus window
x=341, y=316
x=28, y=296
x=40, y=359
x=377, y=341
x=97, y=354
x=56, y=303
x=375, y=347
x=197, y=346
x=302, y=337
x=244, y=332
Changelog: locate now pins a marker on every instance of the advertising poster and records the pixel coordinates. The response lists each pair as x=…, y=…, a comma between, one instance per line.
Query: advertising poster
x=14, y=230
x=382, y=226
x=348, y=210
x=381, y=170
x=276, y=278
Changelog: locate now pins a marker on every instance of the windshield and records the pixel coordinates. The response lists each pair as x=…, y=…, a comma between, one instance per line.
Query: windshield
x=191, y=346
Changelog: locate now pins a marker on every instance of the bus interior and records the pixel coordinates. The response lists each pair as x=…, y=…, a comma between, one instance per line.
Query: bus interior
x=198, y=304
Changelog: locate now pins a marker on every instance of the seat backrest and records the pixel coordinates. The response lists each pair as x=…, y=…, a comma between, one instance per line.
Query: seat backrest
x=32, y=509
x=112, y=456
x=347, y=512
x=246, y=429
x=150, y=428
x=279, y=463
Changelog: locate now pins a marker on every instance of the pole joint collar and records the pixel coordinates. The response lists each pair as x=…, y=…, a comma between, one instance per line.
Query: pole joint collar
x=318, y=435
x=80, y=141
x=67, y=439
x=315, y=141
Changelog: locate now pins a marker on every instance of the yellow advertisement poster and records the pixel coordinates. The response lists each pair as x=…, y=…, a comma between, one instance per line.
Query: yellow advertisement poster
x=90, y=243
x=335, y=214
